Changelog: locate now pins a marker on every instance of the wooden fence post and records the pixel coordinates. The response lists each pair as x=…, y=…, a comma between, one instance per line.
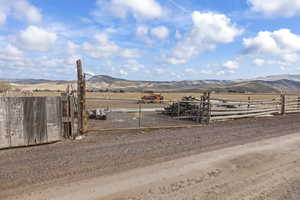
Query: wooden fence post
x=140, y=115
x=298, y=103
x=81, y=98
x=249, y=102
x=178, y=110
x=208, y=108
x=282, y=112
x=205, y=108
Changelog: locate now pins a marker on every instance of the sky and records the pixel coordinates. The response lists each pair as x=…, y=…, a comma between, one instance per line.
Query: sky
x=149, y=39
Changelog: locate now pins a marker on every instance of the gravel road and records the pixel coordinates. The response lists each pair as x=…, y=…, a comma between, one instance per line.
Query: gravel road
x=106, y=154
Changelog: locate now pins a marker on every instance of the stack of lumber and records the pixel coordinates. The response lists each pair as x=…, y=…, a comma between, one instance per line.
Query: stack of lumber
x=188, y=107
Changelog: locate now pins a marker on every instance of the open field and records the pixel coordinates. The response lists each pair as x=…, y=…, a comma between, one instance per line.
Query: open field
x=178, y=96
x=56, y=171
x=168, y=96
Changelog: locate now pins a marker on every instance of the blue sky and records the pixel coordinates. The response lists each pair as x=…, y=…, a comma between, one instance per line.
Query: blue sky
x=149, y=39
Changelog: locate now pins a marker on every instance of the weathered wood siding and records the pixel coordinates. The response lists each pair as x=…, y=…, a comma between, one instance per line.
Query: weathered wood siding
x=29, y=120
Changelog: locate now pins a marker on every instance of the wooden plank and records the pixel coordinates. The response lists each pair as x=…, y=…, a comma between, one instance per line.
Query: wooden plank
x=283, y=101
x=15, y=121
x=241, y=112
x=72, y=115
x=54, y=119
x=81, y=97
x=35, y=120
x=4, y=134
x=242, y=116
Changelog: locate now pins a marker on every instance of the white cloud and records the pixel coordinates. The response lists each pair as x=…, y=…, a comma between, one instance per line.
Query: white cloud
x=286, y=8
x=20, y=9
x=281, y=43
x=133, y=65
x=10, y=53
x=30, y=12
x=208, y=29
x=2, y=18
x=231, y=65
x=72, y=48
x=160, y=70
x=148, y=9
x=273, y=43
x=160, y=32
x=259, y=62
x=102, y=48
x=119, y=71
x=142, y=33
x=36, y=39
x=189, y=70
x=178, y=35
x=130, y=53
x=291, y=58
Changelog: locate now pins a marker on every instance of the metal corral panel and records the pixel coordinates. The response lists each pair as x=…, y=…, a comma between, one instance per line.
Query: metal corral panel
x=29, y=120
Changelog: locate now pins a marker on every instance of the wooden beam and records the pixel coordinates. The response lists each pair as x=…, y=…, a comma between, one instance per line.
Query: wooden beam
x=80, y=97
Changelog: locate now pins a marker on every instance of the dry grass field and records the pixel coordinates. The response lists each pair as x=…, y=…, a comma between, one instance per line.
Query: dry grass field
x=178, y=96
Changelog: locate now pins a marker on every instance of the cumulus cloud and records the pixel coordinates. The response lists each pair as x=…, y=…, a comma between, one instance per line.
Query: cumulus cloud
x=282, y=43
x=231, y=65
x=20, y=9
x=277, y=42
x=208, y=29
x=102, y=47
x=259, y=62
x=30, y=12
x=286, y=8
x=36, y=39
x=148, y=9
x=142, y=33
x=133, y=65
x=10, y=53
x=160, y=32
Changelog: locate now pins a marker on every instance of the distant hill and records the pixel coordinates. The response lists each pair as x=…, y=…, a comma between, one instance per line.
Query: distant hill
x=290, y=77
x=269, y=84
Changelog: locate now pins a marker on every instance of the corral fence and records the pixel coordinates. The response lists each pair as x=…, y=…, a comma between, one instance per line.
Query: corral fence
x=190, y=111
x=112, y=114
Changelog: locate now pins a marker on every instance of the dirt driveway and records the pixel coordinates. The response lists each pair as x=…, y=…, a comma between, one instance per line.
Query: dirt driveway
x=110, y=156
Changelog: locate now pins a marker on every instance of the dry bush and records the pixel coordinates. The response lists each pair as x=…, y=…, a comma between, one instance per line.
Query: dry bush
x=4, y=86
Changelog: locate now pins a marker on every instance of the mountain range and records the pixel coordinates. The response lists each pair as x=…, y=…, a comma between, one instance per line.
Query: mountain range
x=269, y=84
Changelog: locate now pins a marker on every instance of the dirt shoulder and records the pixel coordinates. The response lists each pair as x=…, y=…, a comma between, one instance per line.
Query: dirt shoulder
x=103, y=154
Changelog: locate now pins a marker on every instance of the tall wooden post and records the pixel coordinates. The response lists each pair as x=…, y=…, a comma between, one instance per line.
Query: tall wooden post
x=249, y=102
x=282, y=112
x=140, y=115
x=80, y=97
x=298, y=103
x=208, y=107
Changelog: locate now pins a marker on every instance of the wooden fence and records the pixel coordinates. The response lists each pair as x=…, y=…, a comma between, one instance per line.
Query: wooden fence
x=29, y=121
x=223, y=109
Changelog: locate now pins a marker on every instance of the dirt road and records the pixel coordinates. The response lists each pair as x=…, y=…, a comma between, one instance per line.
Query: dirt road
x=232, y=160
